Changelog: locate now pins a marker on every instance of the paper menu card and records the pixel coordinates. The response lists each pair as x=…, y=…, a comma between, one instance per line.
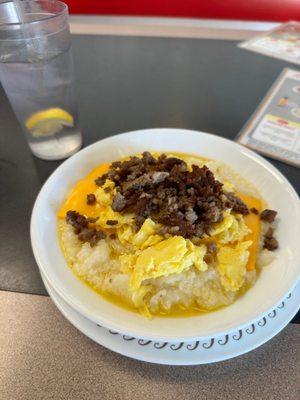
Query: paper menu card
x=274, y=128
x=282, y=42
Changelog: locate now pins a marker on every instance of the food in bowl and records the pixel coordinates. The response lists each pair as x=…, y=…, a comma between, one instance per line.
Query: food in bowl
x=167, y=234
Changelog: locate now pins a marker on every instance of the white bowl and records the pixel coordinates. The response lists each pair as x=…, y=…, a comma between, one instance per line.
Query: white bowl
x=275, y=281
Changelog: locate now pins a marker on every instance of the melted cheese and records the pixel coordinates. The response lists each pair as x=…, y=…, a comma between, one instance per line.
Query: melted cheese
x=253, y=223
x=76, y=199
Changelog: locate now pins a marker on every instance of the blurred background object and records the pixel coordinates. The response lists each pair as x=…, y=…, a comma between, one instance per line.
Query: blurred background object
x=253, y=10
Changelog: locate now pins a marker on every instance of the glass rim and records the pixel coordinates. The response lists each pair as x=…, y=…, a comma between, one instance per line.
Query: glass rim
x=64, y=10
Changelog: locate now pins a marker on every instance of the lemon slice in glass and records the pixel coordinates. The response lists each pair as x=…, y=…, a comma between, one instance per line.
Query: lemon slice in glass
x=48, y=122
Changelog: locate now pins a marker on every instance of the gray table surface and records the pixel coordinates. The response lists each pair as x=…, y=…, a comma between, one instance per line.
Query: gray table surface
x=123, y=84
x=46, y=358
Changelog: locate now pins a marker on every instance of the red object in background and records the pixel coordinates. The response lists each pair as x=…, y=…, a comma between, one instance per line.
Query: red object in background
x=254, y=10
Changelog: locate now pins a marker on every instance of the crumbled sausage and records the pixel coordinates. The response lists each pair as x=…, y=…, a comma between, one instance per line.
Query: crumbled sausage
x=142, y=207
x=191, y=215
x=111, y=222
x=101, y=180
x=118, y=203
x=90, y=199
x=158, y=177
x=270, y=242
x=269, y=233
x=184, y=201
x=254, y=210
x=82, y=228
x=77, y=220
x=237, y=204
x=148, y=158
x=268, y=215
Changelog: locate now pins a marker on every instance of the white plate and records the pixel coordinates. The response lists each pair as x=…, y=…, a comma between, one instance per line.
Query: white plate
x=190, y=353
x=275, y=281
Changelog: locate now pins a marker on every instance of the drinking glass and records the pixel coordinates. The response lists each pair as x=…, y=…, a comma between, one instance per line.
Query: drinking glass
x=36, y=72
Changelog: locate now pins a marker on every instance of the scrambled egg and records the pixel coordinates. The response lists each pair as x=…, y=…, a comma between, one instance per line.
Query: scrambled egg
x=231, y=229
x=232, y=263
x=172, y=255
x=144, y=238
